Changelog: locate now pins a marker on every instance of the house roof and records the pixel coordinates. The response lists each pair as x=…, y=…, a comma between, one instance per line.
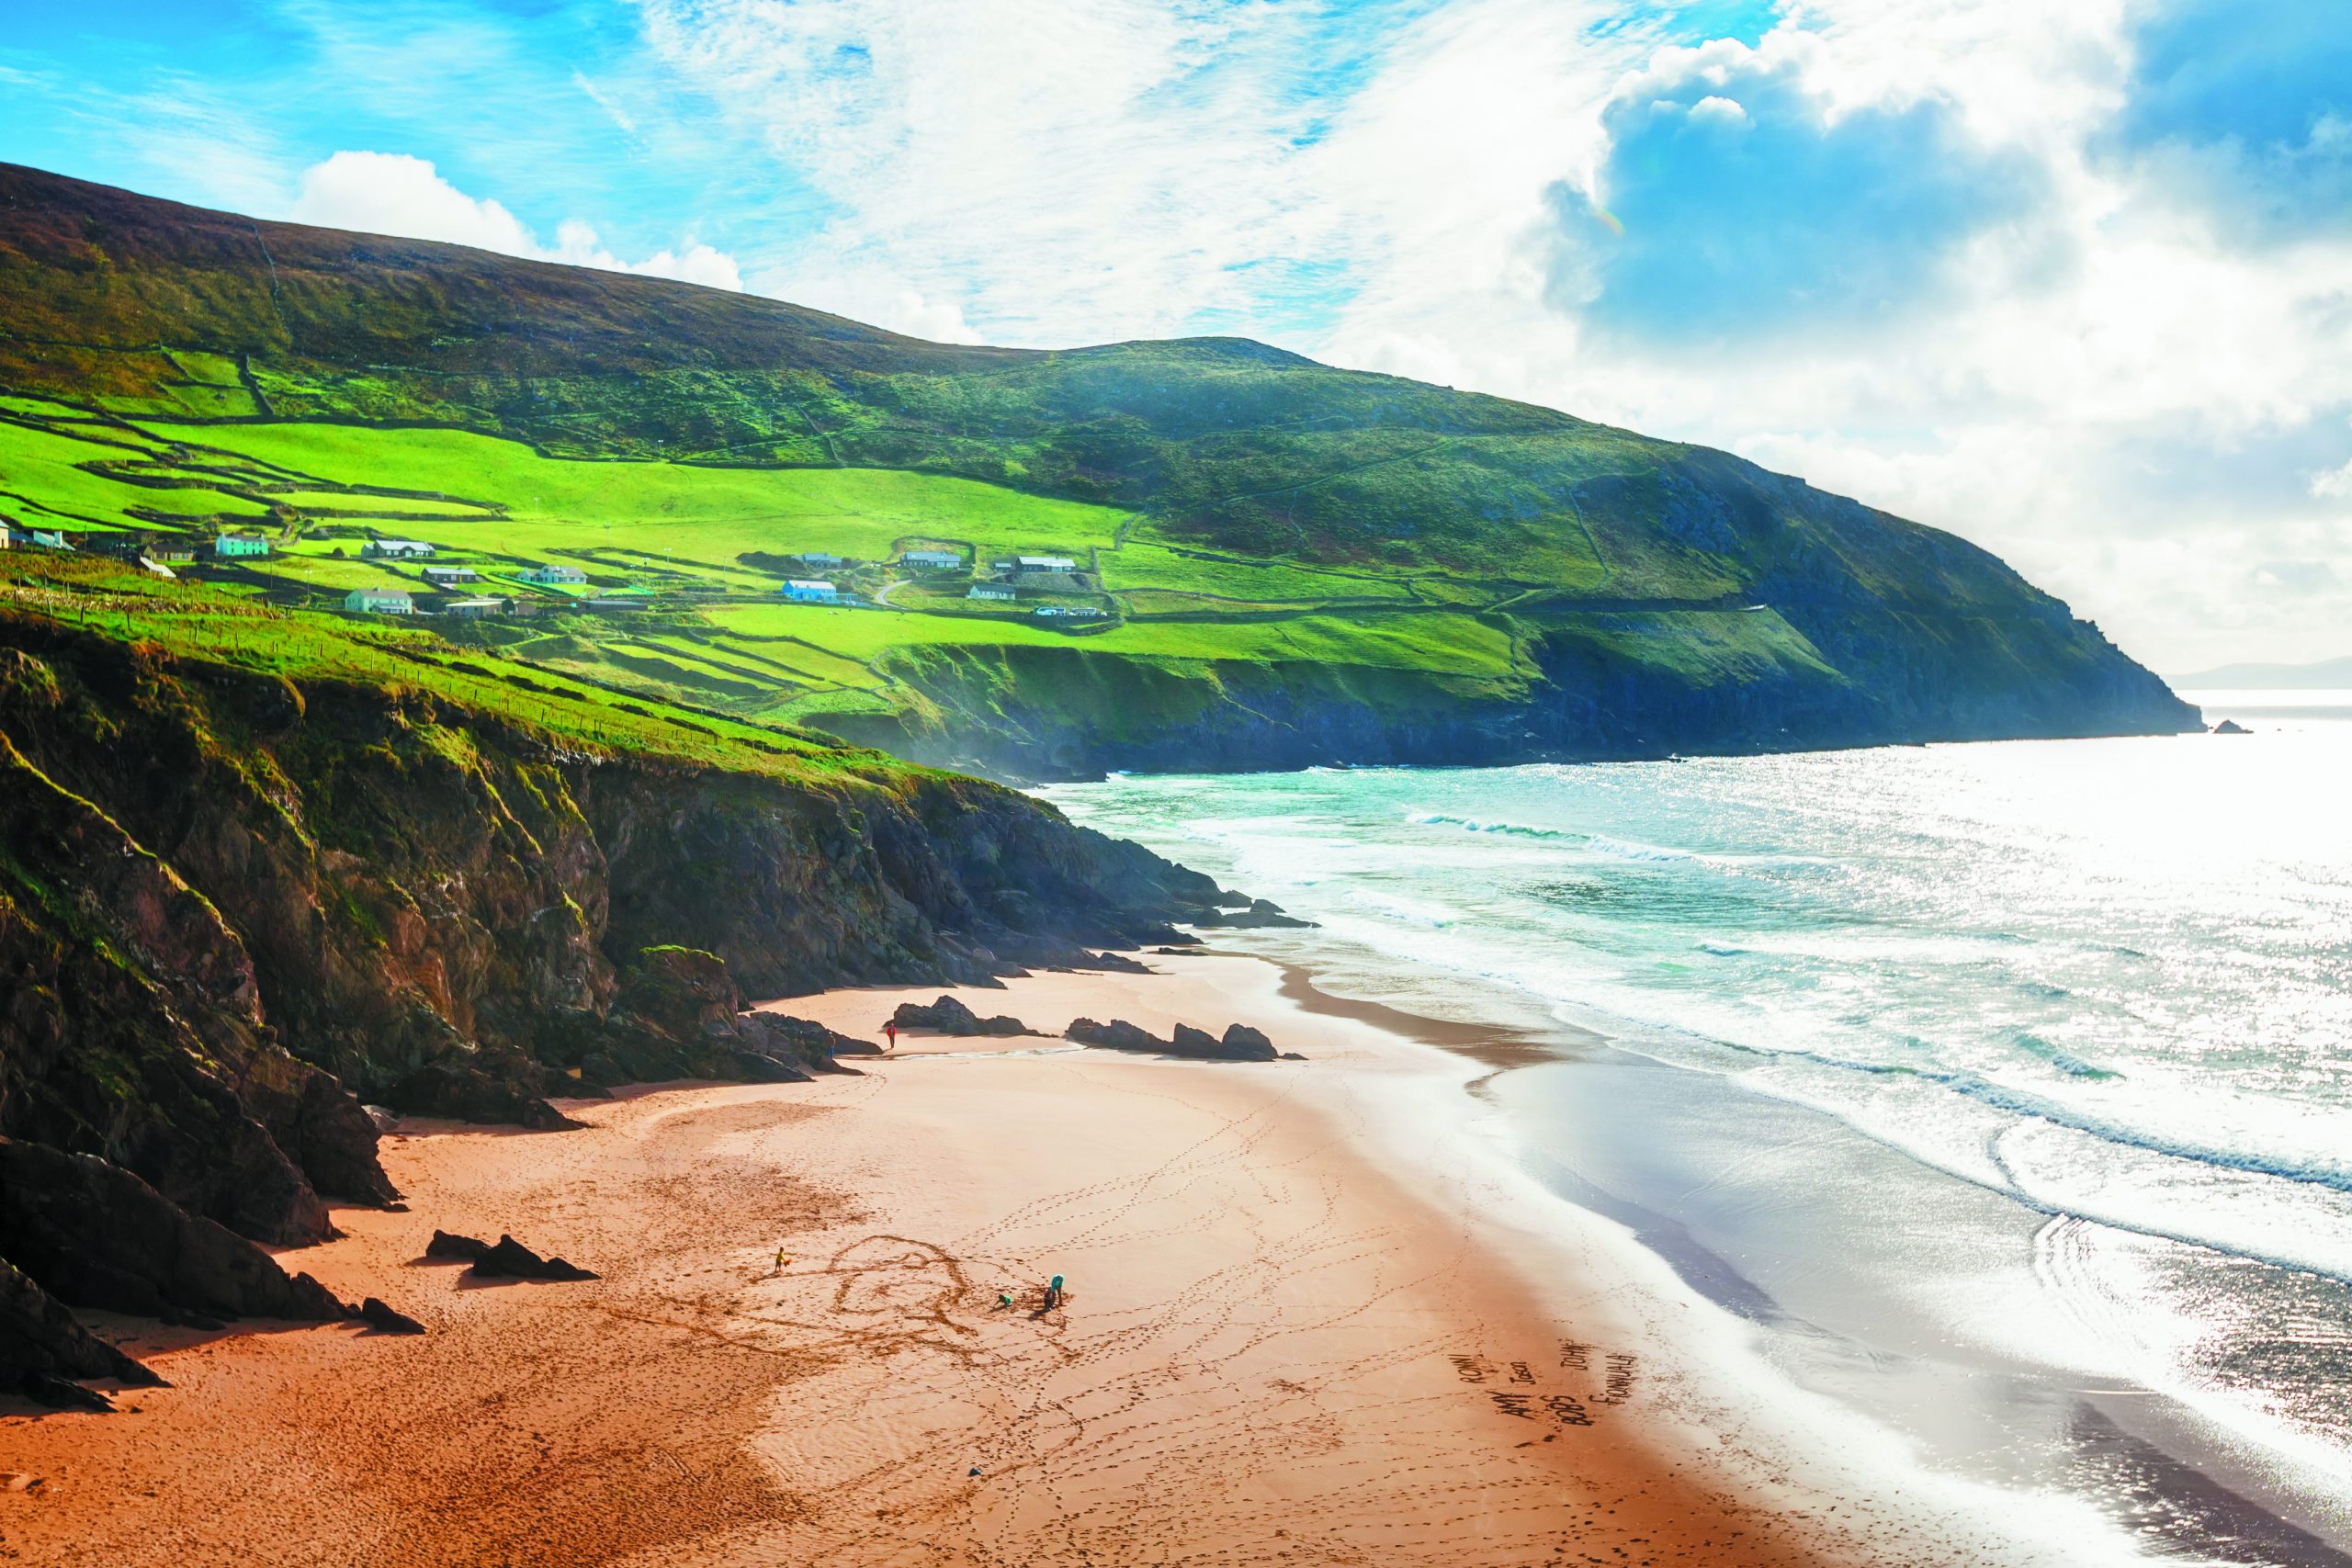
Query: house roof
x=1047, y=560
x=810, y=585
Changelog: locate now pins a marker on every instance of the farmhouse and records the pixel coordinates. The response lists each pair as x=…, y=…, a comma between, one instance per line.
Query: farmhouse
x=1072, y=612
x=469, y=609
x=1058, y=566
x=396, y=549
x=932, y=561
x=803, y=591
x=379, y=601
x=553, y=574
x=825, y=558
x=991, y=591
x=234, y=546
x=446, y=575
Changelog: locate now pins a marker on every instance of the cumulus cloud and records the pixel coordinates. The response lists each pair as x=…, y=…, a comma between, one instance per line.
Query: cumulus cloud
x=393, y=193
x=1738, y=200
x=1119, y=169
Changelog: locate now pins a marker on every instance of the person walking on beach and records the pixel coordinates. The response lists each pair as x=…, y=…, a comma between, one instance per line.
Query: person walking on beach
x=781, y=1260
x=890, y=1032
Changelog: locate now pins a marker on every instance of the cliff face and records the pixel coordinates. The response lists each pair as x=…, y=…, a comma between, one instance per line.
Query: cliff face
x=232, y=907
x=1581, y=695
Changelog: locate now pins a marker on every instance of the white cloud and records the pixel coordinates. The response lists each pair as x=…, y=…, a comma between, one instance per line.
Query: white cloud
x=1073, y=172
x=2332, y=484
x=393, y=193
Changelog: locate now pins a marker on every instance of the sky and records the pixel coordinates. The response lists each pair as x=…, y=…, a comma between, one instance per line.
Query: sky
x=2073, y=280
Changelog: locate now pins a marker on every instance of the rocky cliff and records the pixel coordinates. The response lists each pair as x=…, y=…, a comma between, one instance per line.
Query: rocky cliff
x=233, y=906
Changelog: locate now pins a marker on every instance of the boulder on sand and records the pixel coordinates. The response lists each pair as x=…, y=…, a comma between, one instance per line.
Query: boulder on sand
x=1240, y=1043
x=510, y=1259
x=385, y=1319
x=463, y=1248
x=1245, y=1044
x=1116, y=1035
x=948, y=1016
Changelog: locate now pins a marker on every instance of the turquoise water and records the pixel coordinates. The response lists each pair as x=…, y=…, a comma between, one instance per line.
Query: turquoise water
x=2108, y=979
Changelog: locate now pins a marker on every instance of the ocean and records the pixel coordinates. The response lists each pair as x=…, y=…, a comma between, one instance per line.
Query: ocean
x=2006, y=1088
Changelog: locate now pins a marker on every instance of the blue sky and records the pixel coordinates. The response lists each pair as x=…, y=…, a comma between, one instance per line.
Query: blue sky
x=2073, y=280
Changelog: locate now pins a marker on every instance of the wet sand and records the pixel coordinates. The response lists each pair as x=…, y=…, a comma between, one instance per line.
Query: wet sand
x=1298, y=1329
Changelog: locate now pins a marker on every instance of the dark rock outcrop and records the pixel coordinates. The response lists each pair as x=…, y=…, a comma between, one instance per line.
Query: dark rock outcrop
x=61, y=1394
x=948, y=1016
x=93, y=1235
x=510, y=1259
x=452, y=1248
x=385, y=1319
x=2231, y=726
x=1239, y=1043
x=813, y=1043
x=1245, y=1044
x=41, y=1339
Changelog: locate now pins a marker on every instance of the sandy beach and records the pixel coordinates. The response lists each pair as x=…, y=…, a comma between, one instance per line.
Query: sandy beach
x=1289, y=1336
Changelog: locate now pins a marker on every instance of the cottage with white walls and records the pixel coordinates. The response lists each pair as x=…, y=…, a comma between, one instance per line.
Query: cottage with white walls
x=379, y=601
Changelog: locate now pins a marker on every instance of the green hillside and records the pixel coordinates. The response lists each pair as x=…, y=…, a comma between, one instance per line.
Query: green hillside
x=1277, y=562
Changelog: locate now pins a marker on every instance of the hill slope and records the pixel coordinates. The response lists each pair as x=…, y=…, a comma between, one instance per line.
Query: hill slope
x=1276, y=562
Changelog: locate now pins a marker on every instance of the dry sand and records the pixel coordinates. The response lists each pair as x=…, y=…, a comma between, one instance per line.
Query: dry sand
x=1290, y=1335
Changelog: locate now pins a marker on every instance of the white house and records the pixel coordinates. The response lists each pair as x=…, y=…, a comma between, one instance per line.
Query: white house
x=396, y=549
x=991, y=591
x=229, y=547
x=804, y=591
x=932, y=561
x=447, y=575
x=379, y=601
x=1058, y=565
x=553, y=574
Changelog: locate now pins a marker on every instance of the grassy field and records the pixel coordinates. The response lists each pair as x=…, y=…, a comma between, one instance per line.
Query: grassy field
x=706, y=545
x=554, y=506
x=198, y=621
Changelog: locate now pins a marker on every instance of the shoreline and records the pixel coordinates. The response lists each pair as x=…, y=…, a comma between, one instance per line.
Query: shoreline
x=1281, y=1342
x=2154, y=1466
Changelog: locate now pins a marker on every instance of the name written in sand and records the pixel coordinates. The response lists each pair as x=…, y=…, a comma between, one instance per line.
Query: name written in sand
x=1515, y=1388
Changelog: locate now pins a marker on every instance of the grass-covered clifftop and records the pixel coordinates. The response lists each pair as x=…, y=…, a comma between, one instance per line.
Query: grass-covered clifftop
x=1279, y=562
